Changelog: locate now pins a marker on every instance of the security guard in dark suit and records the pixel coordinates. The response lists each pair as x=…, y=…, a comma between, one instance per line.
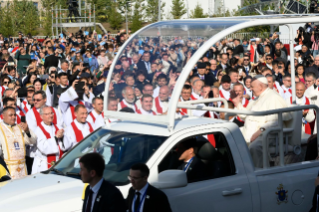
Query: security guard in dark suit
x=142, y=196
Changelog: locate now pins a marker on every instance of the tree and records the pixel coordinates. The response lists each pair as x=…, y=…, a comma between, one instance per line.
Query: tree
x=137, y=17
x=6, y=26
x=152, y=10
x=178, y=9
x=47, y=22
x=115, y=18
x=198, y=12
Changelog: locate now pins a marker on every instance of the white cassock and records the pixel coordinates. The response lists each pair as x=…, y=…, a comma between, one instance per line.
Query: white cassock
x=122, y=104
x=144, y=112
x=279, y=89
x=67, y=102
x=223, y=93
x=75, y=132
x=306, y=119
x=25, y=105
x=287, y=92
x=48, y=150
x=184, y=111
x=138, y=103
x=268, y=100
x=96, y=120
x=159, y=107
x=32, y=121
x=156, y=91
x=49, y=96
x=312, y=93
x=198, y=113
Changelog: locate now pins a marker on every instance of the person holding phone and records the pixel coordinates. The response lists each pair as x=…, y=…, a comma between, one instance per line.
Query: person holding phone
x=78, y=93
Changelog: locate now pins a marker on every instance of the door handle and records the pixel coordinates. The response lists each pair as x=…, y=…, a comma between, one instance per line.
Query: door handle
x=232, y=192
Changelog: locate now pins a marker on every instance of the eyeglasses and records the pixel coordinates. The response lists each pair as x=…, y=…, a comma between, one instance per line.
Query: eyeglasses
x=37, y=100
x=48, y=113
x=134, y=178
x=246, y=59
x=268, y=58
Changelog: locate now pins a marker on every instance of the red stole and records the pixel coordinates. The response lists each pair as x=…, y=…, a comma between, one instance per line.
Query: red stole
x=93, y=118
x=252, y=53
x=158, y=105
x=193, y=98
x=211, y=139
x=140, y=112
x=72, y=109
x=246, y=102
x=21, y=114
x=307, y=126
x=2, y=90
x=25, y=106
x=52, y=157
x=38, y=117
x=78, y=133
x=183, y=111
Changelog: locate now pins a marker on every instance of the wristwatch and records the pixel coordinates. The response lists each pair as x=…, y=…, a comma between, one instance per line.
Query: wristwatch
x=262, y=129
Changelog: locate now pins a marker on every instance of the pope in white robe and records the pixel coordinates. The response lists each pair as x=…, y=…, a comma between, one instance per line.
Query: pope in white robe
x=267, y=99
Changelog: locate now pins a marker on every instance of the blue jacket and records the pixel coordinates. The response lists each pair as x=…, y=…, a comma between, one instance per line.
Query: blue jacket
x=94, y=65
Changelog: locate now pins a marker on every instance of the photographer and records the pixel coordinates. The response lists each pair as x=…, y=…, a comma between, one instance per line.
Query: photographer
x=302, y=37
x=315, y=41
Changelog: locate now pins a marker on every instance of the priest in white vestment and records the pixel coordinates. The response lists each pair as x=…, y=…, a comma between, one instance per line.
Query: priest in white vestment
x=128, y=99
x=147, y=104
x=49, y=142
x=13, y=139
x=267, y=99
x=160, y=103
x=96, y=116
x=312, y=90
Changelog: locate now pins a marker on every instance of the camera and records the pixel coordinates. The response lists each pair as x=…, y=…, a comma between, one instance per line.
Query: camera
x=307, y=61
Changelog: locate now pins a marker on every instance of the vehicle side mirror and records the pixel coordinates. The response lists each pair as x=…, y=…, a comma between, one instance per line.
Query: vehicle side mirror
x=171, y=179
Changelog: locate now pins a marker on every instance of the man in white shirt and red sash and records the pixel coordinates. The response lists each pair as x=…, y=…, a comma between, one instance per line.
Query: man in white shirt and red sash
x=239, y=90
x=96, y=116
x=12, y=93
x=147, y=89
x=224, y=89
x=272, y=84
x=33, y=116
x=160, y=103
x=13, y=139
x=275, y=85
x=112, y=106
x=28, y=102
x=72, y=97
x=197, y=87
x=286, y=80
x=147, y=104
x=128, y=99
x=78, y=129
x=49, y=142
x=312, y=89
x=10, y=102
x=301, y=99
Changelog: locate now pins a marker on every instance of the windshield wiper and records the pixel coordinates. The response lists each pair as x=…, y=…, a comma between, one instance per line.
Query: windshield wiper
x=58, y=171
x=73, y=173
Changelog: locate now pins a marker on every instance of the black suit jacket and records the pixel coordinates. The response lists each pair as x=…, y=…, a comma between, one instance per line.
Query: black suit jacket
x=195, y=171
x=156, y=202
x=110, y=199
x=209, y=78
x=221, y=67
x=141, y=67
x=51, y=60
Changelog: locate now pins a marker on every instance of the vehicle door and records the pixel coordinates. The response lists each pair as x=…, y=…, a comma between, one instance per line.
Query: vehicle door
x=229, y=190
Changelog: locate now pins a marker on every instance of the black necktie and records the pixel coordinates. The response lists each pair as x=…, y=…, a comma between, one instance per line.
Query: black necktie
x=137, y=201
x=89, y=203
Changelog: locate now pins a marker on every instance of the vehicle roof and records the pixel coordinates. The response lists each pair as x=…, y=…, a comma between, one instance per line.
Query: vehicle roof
x=160, y=129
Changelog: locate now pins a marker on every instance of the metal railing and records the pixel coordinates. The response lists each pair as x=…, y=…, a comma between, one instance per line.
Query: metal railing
x=279, y=129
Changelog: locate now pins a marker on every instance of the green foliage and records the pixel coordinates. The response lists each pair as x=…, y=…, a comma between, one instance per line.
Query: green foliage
x=47, y=23
x=137, y=17
x=19, y=15
x=115, y=18
x=198, y=12
x=178, y=9
x=152, y=10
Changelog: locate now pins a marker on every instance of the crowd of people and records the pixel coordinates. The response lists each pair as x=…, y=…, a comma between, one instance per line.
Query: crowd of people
x=52, y=90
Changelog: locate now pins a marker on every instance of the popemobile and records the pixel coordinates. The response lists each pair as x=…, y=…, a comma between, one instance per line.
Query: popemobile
x=231, y=181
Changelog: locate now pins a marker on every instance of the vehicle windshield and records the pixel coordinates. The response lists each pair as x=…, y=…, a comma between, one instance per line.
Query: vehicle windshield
x=120, y=151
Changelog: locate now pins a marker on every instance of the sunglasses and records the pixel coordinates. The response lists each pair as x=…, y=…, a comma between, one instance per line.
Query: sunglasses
x=268, y=58
x=246, y=59
x=37, y=100
x=6, y=82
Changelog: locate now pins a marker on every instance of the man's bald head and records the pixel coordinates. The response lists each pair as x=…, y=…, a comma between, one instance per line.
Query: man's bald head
x=300, y=89
x=164, y=93
x=128, y=94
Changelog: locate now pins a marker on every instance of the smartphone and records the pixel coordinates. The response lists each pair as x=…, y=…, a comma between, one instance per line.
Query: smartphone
x=280, y=67
x=10, y=63
x=79, y=87
x=278, y=33
x=240, y=71
x=23, y=119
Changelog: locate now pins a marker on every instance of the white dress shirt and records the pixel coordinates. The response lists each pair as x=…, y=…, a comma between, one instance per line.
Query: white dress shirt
x=142, y=192
x=95, y=190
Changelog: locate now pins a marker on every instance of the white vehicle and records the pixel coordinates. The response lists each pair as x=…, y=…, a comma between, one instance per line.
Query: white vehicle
x=231, y=182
